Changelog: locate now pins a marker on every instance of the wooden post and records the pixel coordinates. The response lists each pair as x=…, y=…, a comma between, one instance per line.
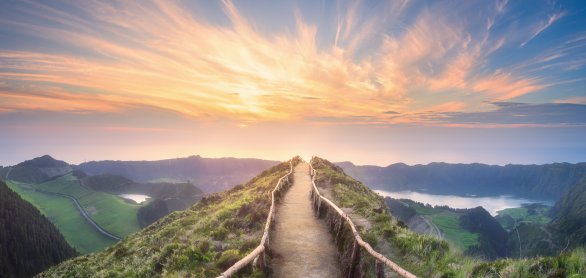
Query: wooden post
x=354, y=260
x=380, y=270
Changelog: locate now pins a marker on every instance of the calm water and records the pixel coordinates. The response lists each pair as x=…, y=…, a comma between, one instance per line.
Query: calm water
x=139, y=198
x=491, y=204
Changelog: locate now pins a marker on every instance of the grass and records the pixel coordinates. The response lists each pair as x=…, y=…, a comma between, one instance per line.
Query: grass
x=536, y=214
x=63, y=213
x=426, y=256
x=449, y=224
x=111, y=212
x=201, y=241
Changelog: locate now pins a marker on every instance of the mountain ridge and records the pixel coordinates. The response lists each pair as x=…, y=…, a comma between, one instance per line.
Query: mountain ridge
x=547, y=181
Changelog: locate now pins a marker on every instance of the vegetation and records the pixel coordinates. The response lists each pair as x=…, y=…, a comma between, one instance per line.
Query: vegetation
x=37, y=170
x=164, y=197
x=111, y=212
x=569, y=214
x=64, y=215
x=29, y=242
x=423, y=255
x=527, y=213
x=202, y=241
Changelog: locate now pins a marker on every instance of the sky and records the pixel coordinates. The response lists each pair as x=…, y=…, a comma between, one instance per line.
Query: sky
x=372, y=82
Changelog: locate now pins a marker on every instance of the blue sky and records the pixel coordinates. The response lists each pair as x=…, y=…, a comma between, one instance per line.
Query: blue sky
x=374, y=82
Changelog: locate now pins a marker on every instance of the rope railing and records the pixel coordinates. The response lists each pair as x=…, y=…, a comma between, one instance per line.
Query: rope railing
x=357, y=238
x=257, y=256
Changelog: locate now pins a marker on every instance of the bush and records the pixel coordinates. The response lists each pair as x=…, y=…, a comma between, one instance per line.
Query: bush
x=228, y=258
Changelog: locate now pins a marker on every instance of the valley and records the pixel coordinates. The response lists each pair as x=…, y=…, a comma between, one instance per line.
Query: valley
x=91, y=211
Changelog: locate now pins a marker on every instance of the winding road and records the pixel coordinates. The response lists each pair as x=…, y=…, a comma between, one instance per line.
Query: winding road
x=83, y=213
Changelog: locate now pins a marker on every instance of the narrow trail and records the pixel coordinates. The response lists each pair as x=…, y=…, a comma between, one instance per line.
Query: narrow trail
x=301, y=244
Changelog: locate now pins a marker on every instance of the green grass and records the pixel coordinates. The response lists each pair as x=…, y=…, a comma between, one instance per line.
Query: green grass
x=201, y=241
x=111, y=212
x=64, y=215
x=449, y=224
x=427, y=256
x=536, y=215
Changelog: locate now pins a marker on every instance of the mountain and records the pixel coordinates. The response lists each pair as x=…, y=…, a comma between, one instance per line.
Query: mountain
x=29, y=243
x=428, y=256
x=201, y=241
x=569, y=214
x=223, y=227
x=547, y=182
x=209, y=174
x=37, y=170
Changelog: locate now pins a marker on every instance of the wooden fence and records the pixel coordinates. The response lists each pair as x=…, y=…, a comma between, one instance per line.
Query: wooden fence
x=257, y=256
x=358, y=242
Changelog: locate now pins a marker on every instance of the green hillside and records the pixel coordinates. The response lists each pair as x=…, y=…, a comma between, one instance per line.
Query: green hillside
x=423, y=255
x=111, y=212
x=64, y=215
x=29, y=243
x=569, y=214
x=36, y=170
x=201, y=241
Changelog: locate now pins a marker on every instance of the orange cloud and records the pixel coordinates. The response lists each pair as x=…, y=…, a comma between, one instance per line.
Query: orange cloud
x=163, y=57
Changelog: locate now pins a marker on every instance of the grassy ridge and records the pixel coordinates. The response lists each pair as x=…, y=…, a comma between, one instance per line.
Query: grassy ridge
x=63, y=213
x=426, y=256
x=201, y=241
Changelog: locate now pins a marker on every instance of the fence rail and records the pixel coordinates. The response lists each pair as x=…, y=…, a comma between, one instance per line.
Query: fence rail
x=358, y=242
x=257, y=256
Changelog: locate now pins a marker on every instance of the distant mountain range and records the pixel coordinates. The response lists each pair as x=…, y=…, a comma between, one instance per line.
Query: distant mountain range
x=545, y=182
x=209, y=174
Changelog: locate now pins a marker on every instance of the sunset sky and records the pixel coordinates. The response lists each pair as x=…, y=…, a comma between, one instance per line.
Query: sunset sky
x=373, y=82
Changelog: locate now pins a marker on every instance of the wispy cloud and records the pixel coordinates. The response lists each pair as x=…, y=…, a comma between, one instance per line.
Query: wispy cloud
x=118, y=55
x=543, y=26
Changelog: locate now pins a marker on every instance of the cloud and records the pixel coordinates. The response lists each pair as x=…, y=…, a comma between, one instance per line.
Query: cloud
x=542, y=27
x=523, y=114
x=119, y=55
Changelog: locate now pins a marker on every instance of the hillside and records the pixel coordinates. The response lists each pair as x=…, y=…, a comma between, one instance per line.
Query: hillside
x=209, y=174
x=547, y=182
x=569, y=214
x=36, y=170
x=428, y=256
x=473, y=231
x=99, y=197
x=164, y=197
x=201, y=241
x=29, y=243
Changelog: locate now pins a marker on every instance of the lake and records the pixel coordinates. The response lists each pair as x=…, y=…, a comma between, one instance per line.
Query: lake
x=138, y=198
x=491, y=204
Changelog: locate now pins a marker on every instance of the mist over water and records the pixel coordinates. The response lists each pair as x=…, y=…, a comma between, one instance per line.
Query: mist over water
x=491, y=204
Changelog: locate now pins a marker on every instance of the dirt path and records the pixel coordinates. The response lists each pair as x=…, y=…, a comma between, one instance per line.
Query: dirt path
x=301, y=243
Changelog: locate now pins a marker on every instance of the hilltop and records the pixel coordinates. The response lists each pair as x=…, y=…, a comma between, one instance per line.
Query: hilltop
x=36, y=170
